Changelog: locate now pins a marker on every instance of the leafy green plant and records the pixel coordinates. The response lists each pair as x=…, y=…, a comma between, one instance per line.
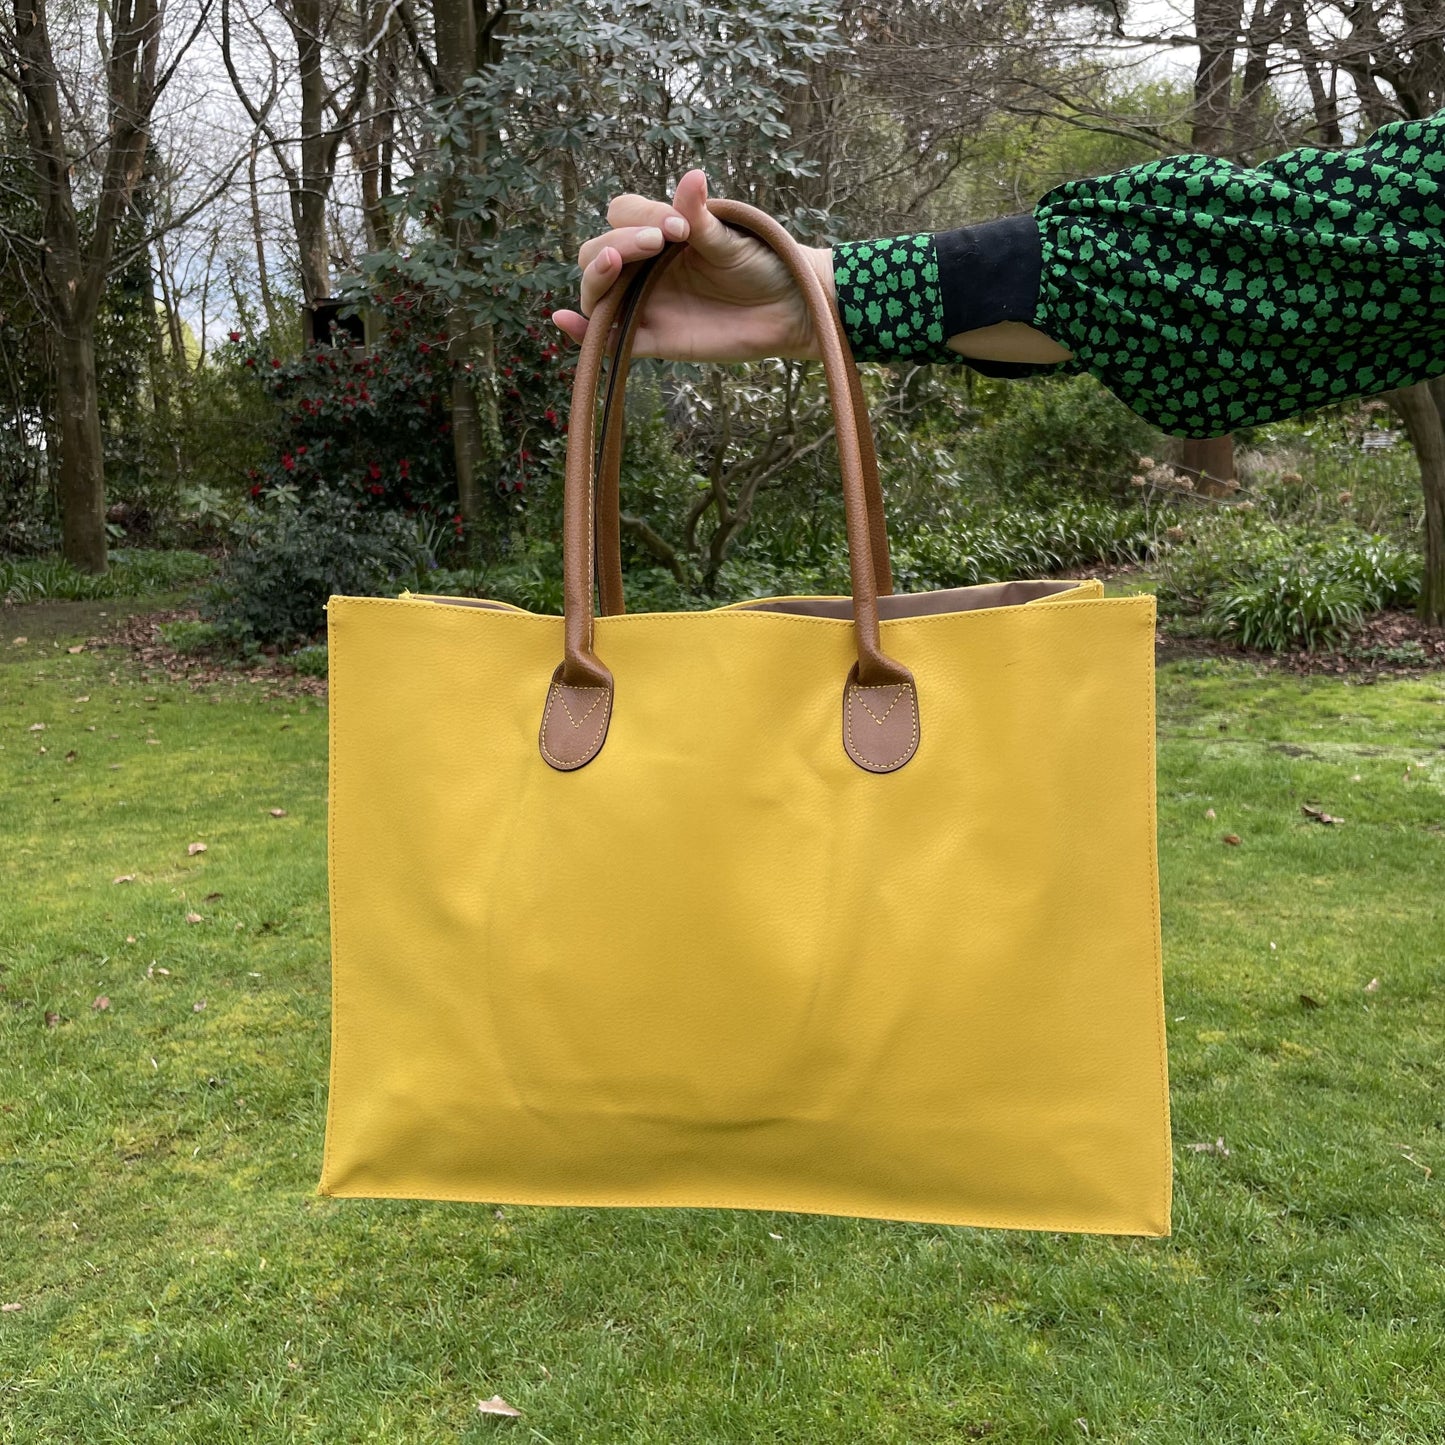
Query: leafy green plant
x=1276, y=585
x=310, y=661
x=132, y=574
x=1389, y=574
x=191, y=636
x=1049, y=438
x=1296, y=606
x=292, y=557
x=998, y=544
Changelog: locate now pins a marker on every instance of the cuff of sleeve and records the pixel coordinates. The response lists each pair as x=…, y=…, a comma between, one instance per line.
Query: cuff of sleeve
x=889, y=300
x=989, y=273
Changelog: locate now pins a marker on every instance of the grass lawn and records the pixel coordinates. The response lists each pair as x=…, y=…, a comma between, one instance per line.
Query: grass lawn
x=177, y=1280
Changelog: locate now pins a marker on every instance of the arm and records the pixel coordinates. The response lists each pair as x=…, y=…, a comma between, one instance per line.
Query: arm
x=1207, y=295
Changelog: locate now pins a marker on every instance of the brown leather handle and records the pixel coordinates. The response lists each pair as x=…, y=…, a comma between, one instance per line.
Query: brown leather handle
x=878, y=690
x=609, y=464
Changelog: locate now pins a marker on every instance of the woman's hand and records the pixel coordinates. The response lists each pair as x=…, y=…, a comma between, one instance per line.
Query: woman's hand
x=726, y=298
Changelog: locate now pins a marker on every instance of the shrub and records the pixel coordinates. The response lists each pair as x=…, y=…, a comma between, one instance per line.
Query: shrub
x=1296, y=606
x=310, y=661
x=293, y=557
x=1272, y=586
x=1054, y=436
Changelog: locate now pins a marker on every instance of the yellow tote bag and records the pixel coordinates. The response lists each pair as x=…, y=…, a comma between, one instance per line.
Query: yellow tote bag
x=845, y=906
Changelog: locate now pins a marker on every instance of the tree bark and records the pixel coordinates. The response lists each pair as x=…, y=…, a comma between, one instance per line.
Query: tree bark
x=82, y=467
x=74, y=267
x=1216, y=24
x=1422, y=408
x=464, y=47
x=308, y=198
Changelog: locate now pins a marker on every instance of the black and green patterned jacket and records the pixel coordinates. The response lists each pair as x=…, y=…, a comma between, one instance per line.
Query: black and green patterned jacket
x=1207, y=295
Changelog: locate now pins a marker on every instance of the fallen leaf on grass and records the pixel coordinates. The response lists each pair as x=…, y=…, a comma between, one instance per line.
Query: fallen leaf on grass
x=36, y=728
x=497, y=1406
x=1217, y=1147
x=278, y=812
x=194, y=918
x=198, y=1006
x=101, y=1004
x=211, y=897
x=1232, y=839
x=1318, y=814
x=19, y=641
x=193, y=848
x=1210, y=814
x=9, y=1309
x=73, y=650
x=52, y=1019
x=1309, y=1002
x=130, y=938
x=124, y=878
x=1373, y=986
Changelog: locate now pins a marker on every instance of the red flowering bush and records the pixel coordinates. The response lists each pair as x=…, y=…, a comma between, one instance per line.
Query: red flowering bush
x=372, y=423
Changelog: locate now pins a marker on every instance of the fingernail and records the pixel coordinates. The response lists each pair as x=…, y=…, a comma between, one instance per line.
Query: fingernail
x=649, y=236
x=675, y=227
x=604, y=261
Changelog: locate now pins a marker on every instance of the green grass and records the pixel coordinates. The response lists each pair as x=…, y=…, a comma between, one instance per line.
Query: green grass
x=180, y=1282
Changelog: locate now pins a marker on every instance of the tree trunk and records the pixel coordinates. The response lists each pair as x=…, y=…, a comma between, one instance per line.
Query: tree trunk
x=1216, y=23
x=1209, y=457
x=82, y=476
x=462, y=49
x=309, y=198
x=1422, y=408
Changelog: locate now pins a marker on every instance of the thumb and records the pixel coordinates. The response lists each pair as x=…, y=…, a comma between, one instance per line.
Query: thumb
x=712, y=240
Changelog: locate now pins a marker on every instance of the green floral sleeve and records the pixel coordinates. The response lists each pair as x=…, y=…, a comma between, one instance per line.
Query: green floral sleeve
x=1212, y=296
x=1207, y=295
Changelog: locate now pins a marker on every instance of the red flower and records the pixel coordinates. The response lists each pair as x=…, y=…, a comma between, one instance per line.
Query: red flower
x=288, y=461
x=424, y=349
x=300, y=451
x=251, y=361
x=405, y=467
x=376, y=489
x=373, y=470
x=233, y=336
x=551, y=416
x=256, y=490
x=275, y=364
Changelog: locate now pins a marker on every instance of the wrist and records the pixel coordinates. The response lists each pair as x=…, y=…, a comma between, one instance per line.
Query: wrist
x=889, y=300
x=821, y=260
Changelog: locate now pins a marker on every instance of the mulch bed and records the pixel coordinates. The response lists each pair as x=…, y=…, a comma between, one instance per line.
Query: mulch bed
x=140, y=636
x=1380, y=647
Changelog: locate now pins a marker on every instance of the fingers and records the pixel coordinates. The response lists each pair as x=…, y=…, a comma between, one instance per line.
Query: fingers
x=604, y=256
x=641, y=228
x=709, y=237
